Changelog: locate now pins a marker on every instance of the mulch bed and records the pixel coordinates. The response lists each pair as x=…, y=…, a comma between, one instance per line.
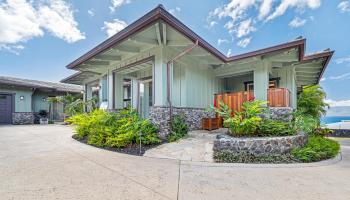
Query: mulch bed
x=133, y=149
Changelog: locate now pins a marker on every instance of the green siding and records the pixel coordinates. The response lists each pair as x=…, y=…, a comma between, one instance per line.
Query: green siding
x=24, y=105
x=194, y=86
x=39, y=103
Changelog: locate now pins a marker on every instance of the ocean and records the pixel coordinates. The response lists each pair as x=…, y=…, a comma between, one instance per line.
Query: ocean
x=333, y=119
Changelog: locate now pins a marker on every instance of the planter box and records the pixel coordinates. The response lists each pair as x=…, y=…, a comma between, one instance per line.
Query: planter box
x=44, y=121
x=211, y=123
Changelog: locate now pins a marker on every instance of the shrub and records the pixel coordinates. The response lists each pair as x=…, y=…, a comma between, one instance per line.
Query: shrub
x=318, y=148
x=114, y=130
x=311, y=102
x=179, y=128
x=270, y=127
x=247, y=122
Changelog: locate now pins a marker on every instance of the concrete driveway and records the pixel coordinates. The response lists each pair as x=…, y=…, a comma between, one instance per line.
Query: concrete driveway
x=44, y=162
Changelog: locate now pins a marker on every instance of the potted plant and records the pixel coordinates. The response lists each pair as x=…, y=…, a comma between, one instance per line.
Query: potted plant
x=43, y=117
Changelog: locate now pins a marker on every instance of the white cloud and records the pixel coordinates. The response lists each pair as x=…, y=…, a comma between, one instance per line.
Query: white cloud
x=344, y=6
x=265, y=8
x=244, y=28
x=175, y=10
x=229, y=52
x=241, y=17
x=323, y=79
x=117, y=3
x=222, y=41
x=243, y=43
x=15, y=49
x=334, y=103
x=340, y=77
x=343, y=60
x=57, y=17
x=113, y=27
x=91, y=12
x=212, y=23
x=297, y=22
x=22, y=20
x=299, y=4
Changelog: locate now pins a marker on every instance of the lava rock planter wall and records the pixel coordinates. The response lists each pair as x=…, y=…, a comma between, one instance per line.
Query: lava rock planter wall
x=193, y=117
x=259, y=146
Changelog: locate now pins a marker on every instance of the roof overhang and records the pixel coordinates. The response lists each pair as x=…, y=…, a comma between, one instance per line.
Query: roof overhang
x=160, y=15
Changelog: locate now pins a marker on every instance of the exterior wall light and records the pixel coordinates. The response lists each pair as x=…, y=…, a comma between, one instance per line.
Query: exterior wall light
x=21, y=98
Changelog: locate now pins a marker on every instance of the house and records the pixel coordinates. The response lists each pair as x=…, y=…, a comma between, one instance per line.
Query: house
x=161, y=67
x=22, y=99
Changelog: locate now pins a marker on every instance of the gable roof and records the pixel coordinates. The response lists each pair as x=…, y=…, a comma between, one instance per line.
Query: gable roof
x=160, y=13
x=27, y=83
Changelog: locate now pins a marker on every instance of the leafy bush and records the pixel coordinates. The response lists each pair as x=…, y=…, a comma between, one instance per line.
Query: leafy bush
x=179, y=128
x=114, y=130
x=270, y=127
x=311, y=106
x=318, y=148
x=249, y=122
x=311, y=101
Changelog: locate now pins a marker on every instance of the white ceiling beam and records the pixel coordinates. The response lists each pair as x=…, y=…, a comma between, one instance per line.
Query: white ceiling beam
x=143, y=40
x=128, y=49
x=108, y=57
x=158, y=33
x=164, y=33
x=178, y=43
x=97, y=62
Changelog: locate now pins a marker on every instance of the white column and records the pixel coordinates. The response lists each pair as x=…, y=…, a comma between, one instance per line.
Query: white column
x=100, y=99
x=119, y=93
x=134, y=91
x=110, y=88
x=261, y=81
x=160, y=79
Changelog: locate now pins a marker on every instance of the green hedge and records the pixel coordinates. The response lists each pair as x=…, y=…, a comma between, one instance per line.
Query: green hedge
x=317, y=149
x=105, y=129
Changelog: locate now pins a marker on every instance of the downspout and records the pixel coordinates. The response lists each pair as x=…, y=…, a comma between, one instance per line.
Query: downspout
x=169, y=63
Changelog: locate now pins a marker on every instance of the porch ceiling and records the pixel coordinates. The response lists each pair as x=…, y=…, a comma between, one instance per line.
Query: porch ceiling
x=80, y=77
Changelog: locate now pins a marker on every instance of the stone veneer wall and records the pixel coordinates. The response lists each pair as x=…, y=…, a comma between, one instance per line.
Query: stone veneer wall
x=22, y=118
x=193, y=116
x=259, y=146
x=281, y=113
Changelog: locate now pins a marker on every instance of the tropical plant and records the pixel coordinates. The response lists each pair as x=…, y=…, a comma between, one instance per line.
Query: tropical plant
x=318, y=148
x=270, y=127
x=122, y=129
x=179, y=128
x=246, y=122
x=223, y=110
x=311, y=106
x=311, y=102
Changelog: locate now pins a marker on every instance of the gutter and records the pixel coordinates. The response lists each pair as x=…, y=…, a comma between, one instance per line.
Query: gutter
x=169, y=63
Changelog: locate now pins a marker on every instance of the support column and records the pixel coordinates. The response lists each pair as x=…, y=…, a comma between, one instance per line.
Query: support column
x=87, y=95
x=160, y=82
x=261, y=81
x=110, y=87
x=118, y=91
x=134, y=91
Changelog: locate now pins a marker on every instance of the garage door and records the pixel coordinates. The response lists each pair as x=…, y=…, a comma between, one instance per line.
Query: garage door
x=5, y=109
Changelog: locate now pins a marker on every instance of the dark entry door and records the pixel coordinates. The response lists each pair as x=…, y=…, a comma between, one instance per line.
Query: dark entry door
x=5, y=109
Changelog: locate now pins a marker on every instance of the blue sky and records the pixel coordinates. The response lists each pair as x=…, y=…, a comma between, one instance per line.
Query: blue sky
x=39, y=38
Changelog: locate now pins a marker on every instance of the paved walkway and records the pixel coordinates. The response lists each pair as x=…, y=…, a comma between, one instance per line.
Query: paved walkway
x=44, y=162
x=197, y=146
